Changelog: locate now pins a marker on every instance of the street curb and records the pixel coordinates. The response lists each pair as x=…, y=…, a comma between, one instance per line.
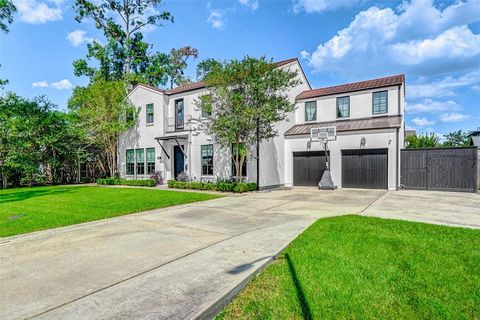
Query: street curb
x=211, y=310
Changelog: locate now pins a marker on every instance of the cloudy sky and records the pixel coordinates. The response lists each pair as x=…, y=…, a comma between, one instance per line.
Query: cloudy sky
x=436, y=44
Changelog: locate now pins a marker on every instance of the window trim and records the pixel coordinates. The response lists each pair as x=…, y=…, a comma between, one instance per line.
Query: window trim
x=201, y=159
x=336, y=102
x=146, y=114
x=315, y=114
x=373, y=103
x=148, y=163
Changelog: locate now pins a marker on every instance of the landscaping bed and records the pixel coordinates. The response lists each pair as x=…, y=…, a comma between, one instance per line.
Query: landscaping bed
x=128, y=182
x=29, y=209
x=238, y=187
x=356, y=267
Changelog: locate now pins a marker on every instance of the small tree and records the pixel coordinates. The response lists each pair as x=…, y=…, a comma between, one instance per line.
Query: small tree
x=422, y=141
x=247, y=97
x=101, y=111
x=457, y=139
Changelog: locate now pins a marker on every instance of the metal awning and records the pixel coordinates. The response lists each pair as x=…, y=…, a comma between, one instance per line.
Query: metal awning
x=168, y=138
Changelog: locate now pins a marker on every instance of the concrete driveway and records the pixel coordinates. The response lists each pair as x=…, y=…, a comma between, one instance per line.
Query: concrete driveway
x=447, y=208
x=180, y=262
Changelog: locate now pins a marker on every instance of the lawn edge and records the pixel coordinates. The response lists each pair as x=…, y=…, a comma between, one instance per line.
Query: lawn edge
x=211, y=310
x=99, y=221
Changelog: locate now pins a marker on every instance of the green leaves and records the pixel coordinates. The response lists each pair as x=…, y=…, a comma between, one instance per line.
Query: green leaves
x=245, y=95
x=422, y=141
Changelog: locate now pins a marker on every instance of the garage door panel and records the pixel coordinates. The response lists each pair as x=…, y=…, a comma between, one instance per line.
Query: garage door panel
x=308, y=167
x=365, y=168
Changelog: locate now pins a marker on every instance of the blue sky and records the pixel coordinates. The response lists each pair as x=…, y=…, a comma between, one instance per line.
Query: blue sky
x=436, y=44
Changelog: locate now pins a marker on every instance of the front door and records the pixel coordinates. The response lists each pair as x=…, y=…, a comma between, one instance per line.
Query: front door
x=178, y=161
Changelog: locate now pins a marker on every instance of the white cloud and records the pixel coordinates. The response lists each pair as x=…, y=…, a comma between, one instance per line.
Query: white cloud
x=77, y=37
x=40, y=84
x=453, y=117
x=444, y=87
x=431, y=106
x=252, y=4
x=62, y=84
x=422, y=122
x=417, y=38
x=217, y=19
x=36, y=12
x=317, y=6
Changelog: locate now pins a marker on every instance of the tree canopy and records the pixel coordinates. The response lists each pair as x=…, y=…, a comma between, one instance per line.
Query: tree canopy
x=245, y=95
x=457, y=139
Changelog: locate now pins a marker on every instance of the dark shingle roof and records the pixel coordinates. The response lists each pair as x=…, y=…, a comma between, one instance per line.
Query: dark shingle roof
x=354, y=86
x=348, y=125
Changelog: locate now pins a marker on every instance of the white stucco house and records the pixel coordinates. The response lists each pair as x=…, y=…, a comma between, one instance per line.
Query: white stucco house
x=367, y=117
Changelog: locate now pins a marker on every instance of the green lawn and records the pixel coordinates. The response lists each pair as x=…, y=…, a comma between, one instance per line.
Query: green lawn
x=368, y=268
x=29, y=209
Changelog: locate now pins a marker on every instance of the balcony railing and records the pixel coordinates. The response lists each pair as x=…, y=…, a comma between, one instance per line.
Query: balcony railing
x=173, y=124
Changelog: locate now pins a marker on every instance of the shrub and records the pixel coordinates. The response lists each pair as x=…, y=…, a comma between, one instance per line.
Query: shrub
x=223, y=186
x=125, y=182
x=157, y=176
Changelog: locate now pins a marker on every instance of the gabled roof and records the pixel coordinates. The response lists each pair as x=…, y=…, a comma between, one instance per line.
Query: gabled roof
x=201, y=84
x=348, y=125
x=354, y=86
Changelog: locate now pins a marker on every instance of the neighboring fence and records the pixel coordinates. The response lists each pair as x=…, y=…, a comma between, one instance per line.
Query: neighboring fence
x=444, y=169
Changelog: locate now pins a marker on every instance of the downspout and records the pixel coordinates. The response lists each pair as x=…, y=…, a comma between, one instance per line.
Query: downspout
x=397, y=170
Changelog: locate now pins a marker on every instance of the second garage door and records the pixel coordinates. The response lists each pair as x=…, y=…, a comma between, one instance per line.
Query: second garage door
x=365, y=168
x=308, y=167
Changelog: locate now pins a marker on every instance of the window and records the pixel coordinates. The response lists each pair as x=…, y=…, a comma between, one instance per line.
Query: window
x=150, y=160
x=207, y=159
x=179, y=114
x=244, y=165
x=150, y=113
x=140, y=157
x=130, y=161
x=380, y=102
x=343, y=107
x=311, y=111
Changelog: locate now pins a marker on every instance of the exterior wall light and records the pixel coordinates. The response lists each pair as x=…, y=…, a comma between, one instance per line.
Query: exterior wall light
x=363, y=143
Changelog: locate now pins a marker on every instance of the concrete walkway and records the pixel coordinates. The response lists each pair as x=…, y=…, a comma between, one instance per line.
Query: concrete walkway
x=164, y=264
x=179, y=262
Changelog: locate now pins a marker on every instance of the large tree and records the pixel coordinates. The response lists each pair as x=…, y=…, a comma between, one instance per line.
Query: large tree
x=7, y=10
x=102, y=114
x=37, y=143
x=246, y=98
x=122, y=21
x=178, y=63
x=422, y=141
x=456, y=139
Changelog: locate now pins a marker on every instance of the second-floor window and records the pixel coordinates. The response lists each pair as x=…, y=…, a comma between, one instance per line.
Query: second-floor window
x=179, y=114
x=207, y=159
x=343, y=107
x=310, y=111
x=149, y=112
x=380, y=102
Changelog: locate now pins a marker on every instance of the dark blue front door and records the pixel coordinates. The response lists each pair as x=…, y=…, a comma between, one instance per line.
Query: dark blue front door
x=178, y=161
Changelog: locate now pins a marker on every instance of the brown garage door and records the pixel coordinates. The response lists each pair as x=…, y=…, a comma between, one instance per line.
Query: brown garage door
x=365, y=168
x=308, y=167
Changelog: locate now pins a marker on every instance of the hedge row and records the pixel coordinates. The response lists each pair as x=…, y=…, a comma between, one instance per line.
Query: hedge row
x=125, y=182
x=211, y=186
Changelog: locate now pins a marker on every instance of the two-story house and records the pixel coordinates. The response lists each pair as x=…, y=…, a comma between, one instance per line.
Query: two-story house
x=368, y=117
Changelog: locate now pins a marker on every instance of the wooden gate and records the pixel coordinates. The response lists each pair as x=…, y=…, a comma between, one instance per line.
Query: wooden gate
x=443, y=169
